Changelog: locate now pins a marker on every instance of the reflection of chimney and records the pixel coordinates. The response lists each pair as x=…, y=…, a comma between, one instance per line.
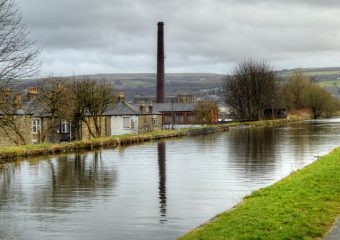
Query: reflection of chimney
x=141, y=107
x=162, y=178
x=121, y=97
x=32, y=92
x=18, y=103
x=160, y=63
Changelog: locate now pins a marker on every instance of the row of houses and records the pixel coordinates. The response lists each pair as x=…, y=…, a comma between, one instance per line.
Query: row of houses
x=121, y=118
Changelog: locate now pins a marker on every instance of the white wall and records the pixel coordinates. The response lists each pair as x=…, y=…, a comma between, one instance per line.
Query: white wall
x=117, y=125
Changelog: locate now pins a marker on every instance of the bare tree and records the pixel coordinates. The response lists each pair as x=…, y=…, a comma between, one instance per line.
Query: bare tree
x=13, y=122
x=17, y=60
x=56, y=101
x=92, y=99
x=293, y=91
x=251, y=87
x=206, y=111
x=318, y=100
x=17, y=51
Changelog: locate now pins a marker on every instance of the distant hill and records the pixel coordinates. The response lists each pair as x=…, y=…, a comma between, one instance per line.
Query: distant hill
x=328, y=78
x=199, y=84
x=321, y=74
x=144, y=84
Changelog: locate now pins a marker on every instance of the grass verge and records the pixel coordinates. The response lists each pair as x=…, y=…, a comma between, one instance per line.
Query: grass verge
x=304, y=205
x=10, y=153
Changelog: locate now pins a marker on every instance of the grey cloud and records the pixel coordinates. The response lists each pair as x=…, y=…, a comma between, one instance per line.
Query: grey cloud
x=88, y=36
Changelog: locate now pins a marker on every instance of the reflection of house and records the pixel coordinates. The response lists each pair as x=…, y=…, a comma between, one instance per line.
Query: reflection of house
x=125, y=118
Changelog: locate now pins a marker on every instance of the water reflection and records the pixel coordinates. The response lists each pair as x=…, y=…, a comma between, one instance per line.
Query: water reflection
x=254, y=151
x=85, y=172
x=155, y=190
x=161, y=150
x=47, y=190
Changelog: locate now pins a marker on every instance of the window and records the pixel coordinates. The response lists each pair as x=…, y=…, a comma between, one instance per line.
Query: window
x=65, y=126
x=154, y=121
x=126, y=122
x=36, y=125
x=190, y=118
x=167, y=119
x=179, y=118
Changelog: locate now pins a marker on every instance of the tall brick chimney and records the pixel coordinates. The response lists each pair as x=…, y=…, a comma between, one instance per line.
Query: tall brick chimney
x=160, y=63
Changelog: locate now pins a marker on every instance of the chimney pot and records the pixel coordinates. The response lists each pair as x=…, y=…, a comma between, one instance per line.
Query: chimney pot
x=121, y=96
x=32, y=92
x=18, y=102
x=141, y=107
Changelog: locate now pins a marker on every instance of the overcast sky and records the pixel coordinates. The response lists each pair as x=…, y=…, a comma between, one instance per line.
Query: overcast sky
x=119, y=36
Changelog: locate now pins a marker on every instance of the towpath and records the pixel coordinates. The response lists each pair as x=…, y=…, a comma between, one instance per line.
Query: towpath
x=334, y=234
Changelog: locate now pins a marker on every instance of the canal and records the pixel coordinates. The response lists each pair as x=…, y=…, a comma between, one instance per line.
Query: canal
x=157, y=190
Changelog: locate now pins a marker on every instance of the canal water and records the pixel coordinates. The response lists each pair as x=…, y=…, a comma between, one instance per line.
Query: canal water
x=156, y=190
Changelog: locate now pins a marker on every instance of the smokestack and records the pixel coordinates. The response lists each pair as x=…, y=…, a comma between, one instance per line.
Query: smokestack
x=160, y=63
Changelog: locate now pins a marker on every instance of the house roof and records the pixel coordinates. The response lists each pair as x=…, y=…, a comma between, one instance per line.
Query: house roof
x=124, y=108
x=176, y=107
x=18, y=112
x=33, y=107
x=29, y=106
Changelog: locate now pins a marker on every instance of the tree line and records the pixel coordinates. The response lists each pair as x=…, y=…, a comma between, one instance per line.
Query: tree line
x=254, y=87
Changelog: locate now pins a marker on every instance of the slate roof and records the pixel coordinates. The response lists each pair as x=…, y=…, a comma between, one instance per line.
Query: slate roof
x=30, y=107
x=124, y=108
x=17, y=112
x=33, y=107
x=177, y=107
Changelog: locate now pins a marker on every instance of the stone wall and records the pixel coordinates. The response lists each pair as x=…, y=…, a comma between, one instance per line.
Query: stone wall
x=24, y=125
x=104, y=123
x=148, y=123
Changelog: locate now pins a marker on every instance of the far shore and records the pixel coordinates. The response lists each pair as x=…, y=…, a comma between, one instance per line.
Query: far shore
x=13, y=153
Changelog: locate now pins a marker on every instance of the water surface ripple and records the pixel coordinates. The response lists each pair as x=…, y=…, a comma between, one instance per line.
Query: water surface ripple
x=152, y=191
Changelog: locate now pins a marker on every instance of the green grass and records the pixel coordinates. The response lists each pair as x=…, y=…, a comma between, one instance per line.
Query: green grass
x=321, y=73
x=302, y=206
x=330, y=83
x=312, y=73
x=137, y=83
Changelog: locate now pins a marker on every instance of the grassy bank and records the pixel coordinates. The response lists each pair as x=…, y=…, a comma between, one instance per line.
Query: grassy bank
x=302, y=206
x=10, y=153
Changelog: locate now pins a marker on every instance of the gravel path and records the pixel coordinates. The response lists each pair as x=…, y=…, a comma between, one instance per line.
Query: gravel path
x=334, y=234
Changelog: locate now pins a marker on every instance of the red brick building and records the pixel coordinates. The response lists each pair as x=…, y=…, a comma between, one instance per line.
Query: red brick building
x=176, y=114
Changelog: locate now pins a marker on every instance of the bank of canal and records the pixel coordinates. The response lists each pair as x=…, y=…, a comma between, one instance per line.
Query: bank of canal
x=304, y=205
x=157, y=190
x=11, y=153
